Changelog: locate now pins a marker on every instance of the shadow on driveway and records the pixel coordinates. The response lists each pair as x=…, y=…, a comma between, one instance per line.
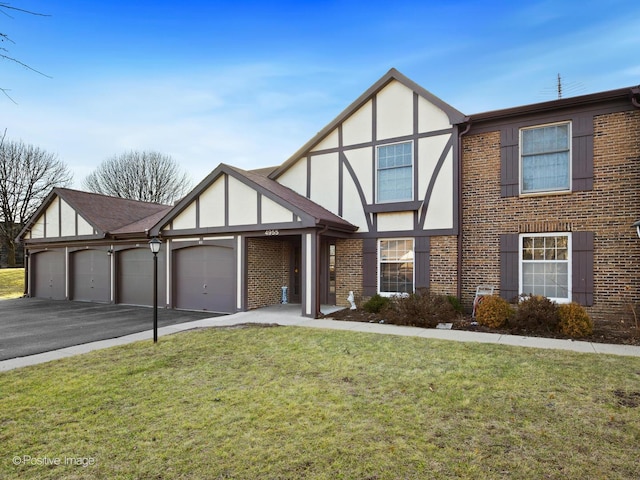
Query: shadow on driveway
x=34, y=325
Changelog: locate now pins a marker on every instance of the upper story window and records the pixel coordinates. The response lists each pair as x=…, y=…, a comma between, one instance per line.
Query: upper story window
x=395, y=172
x=545, y=158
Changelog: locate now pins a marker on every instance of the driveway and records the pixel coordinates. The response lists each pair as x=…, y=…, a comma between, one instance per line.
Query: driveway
x=33, y=325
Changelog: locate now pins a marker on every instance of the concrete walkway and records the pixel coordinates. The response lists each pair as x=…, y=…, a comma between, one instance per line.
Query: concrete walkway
x=289, y=315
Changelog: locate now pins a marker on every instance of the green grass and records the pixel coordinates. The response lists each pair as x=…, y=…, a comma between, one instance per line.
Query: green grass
x=11, y=282
x=289, y=403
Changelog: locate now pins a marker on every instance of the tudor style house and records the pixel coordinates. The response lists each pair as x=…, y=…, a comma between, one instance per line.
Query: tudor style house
x=400, y=191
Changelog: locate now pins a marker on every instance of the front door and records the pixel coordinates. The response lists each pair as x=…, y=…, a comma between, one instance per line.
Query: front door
x=296, y=261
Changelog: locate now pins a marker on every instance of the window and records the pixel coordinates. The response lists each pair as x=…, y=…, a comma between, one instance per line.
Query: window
x=545, y=265
x=395, y=266
x=395, y=172
x=545, y=159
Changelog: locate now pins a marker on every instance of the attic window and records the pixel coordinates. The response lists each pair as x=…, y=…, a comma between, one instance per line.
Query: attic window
x=395, y=172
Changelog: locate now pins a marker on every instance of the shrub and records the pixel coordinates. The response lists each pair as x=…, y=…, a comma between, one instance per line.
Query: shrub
x=536, y=313
x=493, y=311
x=574, y=320
x=421, y=309
x=455, y=302
x=376, y=304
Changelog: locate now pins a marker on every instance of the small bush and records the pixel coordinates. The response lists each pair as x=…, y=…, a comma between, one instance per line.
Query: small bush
x=421, y=309
x=574, y=320
x=493, y=311
x=455, y=302
x=376, y=304
x=536, y=313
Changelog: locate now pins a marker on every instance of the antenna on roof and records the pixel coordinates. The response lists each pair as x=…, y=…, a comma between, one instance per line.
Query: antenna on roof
x=562, y=88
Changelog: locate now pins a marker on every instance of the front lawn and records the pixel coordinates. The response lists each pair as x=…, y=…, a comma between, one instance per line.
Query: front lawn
x=289, y=403
x=11, y=282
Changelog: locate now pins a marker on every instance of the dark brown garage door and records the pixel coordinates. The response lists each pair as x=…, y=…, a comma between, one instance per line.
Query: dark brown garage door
x=205, y=278
x=91, y=277
x=135, y=277
x=47, y=275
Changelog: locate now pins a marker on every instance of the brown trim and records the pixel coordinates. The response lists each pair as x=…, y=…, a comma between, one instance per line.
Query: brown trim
x=356, y=182
x=392, y=207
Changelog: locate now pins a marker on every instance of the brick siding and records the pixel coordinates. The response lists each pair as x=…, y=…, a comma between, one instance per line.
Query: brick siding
x=268, y=263
x=443, y=258
x=608, y=210
x=348, y=270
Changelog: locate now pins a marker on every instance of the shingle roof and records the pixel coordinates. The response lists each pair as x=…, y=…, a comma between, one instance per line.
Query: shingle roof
x=111, y=214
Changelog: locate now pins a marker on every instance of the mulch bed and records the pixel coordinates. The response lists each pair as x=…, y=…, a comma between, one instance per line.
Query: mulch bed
x=620, y=334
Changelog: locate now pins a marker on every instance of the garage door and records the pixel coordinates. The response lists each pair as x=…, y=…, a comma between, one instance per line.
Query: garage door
x=47, y=275
x=205, y=278
x=90, y=278
x=135, y=277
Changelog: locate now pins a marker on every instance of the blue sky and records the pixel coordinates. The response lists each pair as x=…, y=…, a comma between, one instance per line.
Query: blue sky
x=249, y=82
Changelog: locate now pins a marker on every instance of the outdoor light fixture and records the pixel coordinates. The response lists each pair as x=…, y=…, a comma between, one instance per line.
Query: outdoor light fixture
x=637, y=225
x=154, y=245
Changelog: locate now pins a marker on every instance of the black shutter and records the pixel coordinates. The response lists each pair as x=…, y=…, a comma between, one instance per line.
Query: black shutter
x=509, y=162
x=582, y=268
x=509, y=266
x=369, y=267
x=422, y=262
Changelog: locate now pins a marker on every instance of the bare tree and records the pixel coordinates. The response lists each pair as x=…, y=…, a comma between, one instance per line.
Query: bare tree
x=147, y=176
x=27, y=175
x=6, y=9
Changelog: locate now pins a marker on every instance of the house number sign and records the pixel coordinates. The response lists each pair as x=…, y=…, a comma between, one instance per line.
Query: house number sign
x=271, y=232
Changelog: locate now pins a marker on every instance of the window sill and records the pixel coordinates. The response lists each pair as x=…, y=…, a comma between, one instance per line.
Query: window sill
x=545, y=194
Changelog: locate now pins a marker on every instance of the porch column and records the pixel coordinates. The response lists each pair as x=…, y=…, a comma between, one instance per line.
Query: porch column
x=309, y=275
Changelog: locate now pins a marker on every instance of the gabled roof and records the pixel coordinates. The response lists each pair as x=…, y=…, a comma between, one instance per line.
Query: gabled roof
x=308, y=210
x=455, y=116
x=107, y=215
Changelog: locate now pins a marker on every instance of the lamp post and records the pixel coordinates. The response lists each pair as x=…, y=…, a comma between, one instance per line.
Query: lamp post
x=637, y=225
x=154, y=245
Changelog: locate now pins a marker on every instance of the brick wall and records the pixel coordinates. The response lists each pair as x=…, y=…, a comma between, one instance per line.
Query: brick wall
x=348, y=270
x=608, y=210
x=268, y=263
x=443, y=258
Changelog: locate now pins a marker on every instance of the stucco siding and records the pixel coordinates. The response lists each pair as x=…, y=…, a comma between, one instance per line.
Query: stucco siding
x=324, y=181
x=186, y=219
x=296, y=177
x=212, y=205
x=358, y=127
x=243, y=203
x=394, y=111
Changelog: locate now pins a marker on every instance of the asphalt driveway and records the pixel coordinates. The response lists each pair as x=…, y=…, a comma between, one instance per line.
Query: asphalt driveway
x=33, y=325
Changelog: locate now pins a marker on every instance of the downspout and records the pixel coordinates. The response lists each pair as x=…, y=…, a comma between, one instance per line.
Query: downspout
x=459, y=272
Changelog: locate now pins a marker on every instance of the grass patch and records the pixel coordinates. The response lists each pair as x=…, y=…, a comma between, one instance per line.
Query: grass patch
x=11, y=282
x=288, y=402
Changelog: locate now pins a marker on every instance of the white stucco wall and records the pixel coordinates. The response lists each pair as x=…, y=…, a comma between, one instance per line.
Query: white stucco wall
x=330, y=141
x=394, y=111
x=274, y=213
x=430, y=117
x=68, y=219
x=243, y=204
x=296, y=177
x=53, y=219
x=440, y=210
x=397, y=221
x=324, y=181
x=358, y=127
x=212, y=205
x=186, y=219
